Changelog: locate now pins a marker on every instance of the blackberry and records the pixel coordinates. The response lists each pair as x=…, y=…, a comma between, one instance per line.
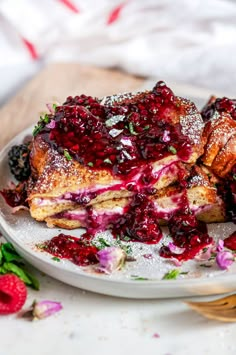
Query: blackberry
x=19, y=161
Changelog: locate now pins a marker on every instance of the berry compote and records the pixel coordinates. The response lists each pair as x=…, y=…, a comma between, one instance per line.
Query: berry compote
x=16, y=195
x=187, y=233
x=221, y=105
x=139, y=221
x=119, y=137
x=77, y=250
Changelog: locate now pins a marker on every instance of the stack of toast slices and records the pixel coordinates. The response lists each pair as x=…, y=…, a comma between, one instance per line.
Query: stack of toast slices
x=91, y=158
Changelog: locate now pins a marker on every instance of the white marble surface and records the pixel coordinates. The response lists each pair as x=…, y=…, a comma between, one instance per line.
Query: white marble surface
x=91, y=323
x=95, y=324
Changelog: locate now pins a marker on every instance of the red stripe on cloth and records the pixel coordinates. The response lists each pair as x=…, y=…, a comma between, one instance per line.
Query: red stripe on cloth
x=69, y=4
x=31, y=48
x=115, y=14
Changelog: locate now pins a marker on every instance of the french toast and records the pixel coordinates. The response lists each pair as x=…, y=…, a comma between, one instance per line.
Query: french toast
x=132, y=162
x=94, y=151
x=200, y=192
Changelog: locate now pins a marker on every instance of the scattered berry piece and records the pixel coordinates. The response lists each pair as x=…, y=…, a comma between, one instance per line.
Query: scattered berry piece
x=13, y=294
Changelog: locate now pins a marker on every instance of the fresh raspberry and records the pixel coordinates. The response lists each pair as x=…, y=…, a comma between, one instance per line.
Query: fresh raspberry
x=13, y=294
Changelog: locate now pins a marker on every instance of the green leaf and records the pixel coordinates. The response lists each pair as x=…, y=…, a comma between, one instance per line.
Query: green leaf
x=18, y=271
x=145, y=128
x=11, y=261
x=37, y=129
x=140, y=278
x=56, y=259
x=90, y=164
x=131, y=129
x=3, y=270
x=101, y=243
x=172, y=149
x=9, y=253
x=107, y=160
x=34, y=281
x=67, y=155
x=54, y=106
x=44, y=118
x=171, y=275
x=126, y=238
x=127, y=248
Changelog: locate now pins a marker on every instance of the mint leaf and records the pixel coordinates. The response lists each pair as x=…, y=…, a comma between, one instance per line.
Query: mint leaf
x=127, y=248
x=90, y=164
x=34, y=281
x=37, y=129
x=44, y=118
x=101, y=243
x=17, y=271
x=171, y=275
x=172, y=149
x=11, y=261
x=67, y=155
x=56, y=259
x=145, y=128
x=3, y=270
x=9, y=253
x=108, y=161
x=139, y=278
x=131, y=129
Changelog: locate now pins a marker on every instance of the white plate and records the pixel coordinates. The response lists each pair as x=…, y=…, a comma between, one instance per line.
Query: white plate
x=23, y=232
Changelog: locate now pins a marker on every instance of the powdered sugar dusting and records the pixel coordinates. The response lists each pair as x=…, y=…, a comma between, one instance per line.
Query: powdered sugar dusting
x=192, y=127
x=117, y=98
x=56, y=165
x=198, y=180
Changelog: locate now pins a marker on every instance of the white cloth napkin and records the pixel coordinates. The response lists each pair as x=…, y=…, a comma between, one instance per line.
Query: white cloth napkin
x=183, y=41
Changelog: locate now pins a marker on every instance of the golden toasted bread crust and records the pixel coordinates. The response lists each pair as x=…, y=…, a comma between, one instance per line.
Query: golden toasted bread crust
x=220, y=136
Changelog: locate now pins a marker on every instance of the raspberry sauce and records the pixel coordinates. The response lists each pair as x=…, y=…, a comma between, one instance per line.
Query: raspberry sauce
x=123, y=137
x=221, y=105
x=16, y=196
x=77, y=250
x=187, y=233
x=139, y=222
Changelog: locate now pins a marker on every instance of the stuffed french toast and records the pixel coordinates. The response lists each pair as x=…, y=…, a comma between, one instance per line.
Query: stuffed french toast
x=132, y=162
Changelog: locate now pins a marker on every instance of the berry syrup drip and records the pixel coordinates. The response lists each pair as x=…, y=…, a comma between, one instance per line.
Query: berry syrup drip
x=230, y=242
x=16, y=196
x=187, y=233
x=77, y=250
x=221, y=105
x=139, y=222
x=122, y=137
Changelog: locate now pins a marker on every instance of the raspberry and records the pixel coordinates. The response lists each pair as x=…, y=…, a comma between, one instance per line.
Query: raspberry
x=13, y=294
